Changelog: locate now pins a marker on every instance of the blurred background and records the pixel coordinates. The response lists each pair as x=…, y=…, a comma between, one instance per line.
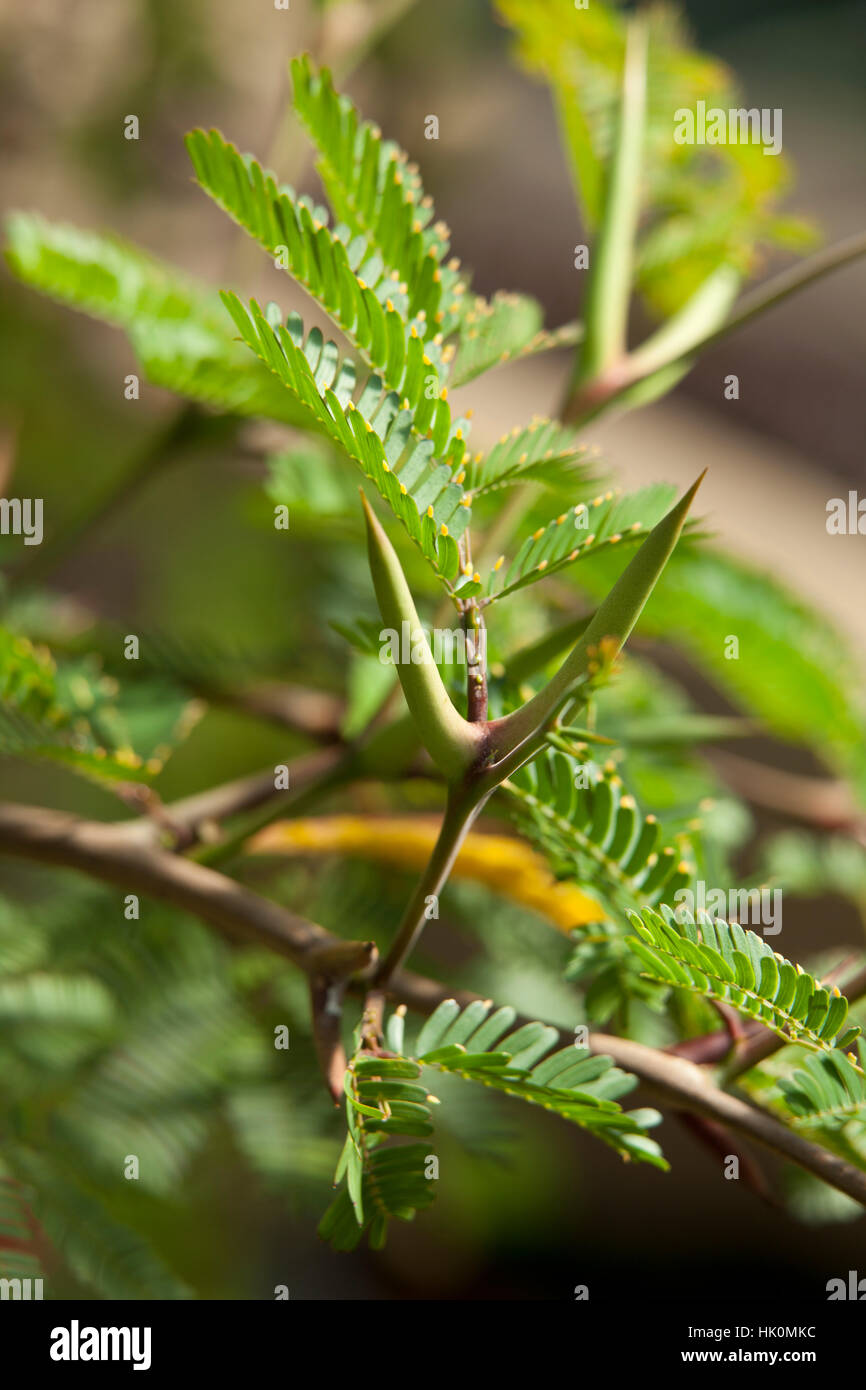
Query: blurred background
x=533, y=1218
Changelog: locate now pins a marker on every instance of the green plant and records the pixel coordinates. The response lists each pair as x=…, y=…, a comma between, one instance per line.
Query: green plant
x=556, y=731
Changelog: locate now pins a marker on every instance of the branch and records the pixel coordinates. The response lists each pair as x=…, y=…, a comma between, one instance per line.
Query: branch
x=609, y=290
x=461, y=810
x=761, y=1043
x=674, y=1081
x=54, y=837
x=788, y=282
x=105, y=852
x=819, y=801
x=334, y=967
x=668, y=354
x=315, y=713
x=476, y=665
x=193, y=815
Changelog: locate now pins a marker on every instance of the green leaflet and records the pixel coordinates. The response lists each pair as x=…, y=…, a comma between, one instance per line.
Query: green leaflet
x=373, y=428
x=175, y=325
x=580, y=532
x=377, y=196
x=504, y=329
x=726, y=962
x=829, y=1090
x=383, y=1101
x=69, y=712
x=541, y=452
x=590, y=828
x=345, y=276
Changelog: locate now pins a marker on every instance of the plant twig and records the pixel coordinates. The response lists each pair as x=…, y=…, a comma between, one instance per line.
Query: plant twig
x=675, y=1082
x=461, y=810
x=198, y=814
x=100, y=851
x=609, y=290
x=333, y=968
x=667, y=355
x=476, y=665
x=788, y=282
x=819, y=801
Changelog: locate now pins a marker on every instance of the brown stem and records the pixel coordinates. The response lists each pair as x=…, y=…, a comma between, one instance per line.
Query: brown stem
x=461, y=811
x=99, y=850
x=674, y=1082
x=104, y=852
x=333, y=968
x=195, y=815
x=315, y=713
x=326, y=1011
x=819, y=801
x=476, y=665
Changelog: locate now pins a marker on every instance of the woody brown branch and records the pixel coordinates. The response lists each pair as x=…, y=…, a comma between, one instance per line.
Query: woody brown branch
x=103, y=852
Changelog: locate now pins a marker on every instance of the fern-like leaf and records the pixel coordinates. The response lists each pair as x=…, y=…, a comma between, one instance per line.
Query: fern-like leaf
x=592, y=831
x=64, y=714
x=541, y=452
x=504, y=329
x=830, y=1089
x=348, y=278
x=376, y=194
x=176, y=326
x=724, y=961
x=385, y=1099
x=374, y=429
x=580, y=532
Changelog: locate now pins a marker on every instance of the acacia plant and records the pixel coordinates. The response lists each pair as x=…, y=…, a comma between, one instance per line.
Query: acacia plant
x=528, y=555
